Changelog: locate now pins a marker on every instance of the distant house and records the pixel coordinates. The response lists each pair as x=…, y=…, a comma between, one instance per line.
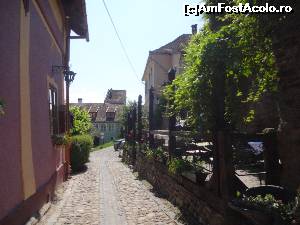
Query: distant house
x=34, y=43
x=160, y=61
x=106, y=116
x=117, y=97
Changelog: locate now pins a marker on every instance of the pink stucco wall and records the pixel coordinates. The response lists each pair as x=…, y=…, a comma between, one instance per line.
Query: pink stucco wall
x=10, y=158
x=43, y=54
x=46, y=10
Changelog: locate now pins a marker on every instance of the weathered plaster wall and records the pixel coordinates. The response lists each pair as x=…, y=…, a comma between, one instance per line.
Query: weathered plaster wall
x=50, y=21
x=11, y=188
x=44, y=53
x=29, y=185
x=30, y=45
x=163, y=63
x=176, y=61
x=160, y=65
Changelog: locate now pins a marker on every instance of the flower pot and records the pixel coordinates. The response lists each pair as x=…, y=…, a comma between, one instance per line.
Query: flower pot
x=255, y=216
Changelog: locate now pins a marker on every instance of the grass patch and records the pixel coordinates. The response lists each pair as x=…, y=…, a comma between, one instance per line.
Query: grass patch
x=105, y=145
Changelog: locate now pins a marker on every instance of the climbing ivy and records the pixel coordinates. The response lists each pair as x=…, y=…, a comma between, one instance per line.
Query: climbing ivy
x=232, y=46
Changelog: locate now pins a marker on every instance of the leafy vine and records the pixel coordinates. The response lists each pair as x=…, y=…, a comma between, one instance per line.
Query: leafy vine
x=236, y=49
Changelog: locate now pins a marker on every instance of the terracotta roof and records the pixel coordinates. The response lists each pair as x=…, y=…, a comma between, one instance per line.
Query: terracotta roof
x=111, y=109
x=115, y=97
x=90, y=107
x=175, y=46
x=100, y=109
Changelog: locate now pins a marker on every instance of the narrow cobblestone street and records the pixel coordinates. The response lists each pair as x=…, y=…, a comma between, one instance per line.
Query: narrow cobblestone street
x=108, y=193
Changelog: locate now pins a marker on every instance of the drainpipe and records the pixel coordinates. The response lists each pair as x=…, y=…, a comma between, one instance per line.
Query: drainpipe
x=67, y=115
x=67, y=68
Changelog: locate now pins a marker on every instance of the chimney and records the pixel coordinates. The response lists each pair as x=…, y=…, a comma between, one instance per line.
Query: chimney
x=79, y=100
x=194, y=29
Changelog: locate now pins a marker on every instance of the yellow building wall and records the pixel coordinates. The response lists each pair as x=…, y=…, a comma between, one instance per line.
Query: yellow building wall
x=28, y=178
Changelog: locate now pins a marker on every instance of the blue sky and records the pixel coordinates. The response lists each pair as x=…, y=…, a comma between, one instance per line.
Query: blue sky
x=143, y=25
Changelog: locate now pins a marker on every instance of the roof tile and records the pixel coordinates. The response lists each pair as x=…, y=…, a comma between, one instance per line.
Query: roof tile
x=175, y=46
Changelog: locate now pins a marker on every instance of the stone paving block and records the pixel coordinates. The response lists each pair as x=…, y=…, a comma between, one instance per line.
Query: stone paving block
x=108, y=193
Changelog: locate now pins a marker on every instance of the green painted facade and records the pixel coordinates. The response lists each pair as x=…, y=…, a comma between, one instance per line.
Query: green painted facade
x=108, y=130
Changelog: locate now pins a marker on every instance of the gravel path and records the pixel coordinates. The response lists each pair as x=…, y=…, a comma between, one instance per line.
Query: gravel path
x=108, y=193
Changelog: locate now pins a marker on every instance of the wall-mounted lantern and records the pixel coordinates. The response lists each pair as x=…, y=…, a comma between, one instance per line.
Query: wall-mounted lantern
x=69, y=76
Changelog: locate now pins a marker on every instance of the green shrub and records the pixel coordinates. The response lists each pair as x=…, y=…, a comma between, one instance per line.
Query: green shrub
x=128, y=147
x=198, y=166
x=157, y=153
x=269, y=204
x=80, y=151
x=127, y=151
x=149, y=153
x=60, y=139
x=177, y=166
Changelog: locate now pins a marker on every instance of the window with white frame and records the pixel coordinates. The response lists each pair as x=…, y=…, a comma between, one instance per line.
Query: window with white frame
x=53, y=110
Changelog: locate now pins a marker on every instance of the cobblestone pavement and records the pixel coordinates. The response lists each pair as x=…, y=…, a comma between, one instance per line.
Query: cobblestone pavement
x=108, y=193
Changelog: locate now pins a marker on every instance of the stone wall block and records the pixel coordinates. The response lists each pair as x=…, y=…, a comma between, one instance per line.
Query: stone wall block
x=196, y=202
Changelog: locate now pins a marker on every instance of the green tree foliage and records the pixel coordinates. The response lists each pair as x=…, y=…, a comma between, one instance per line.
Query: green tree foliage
x=125, y=110
x=81, y=121
x=123, y=117
x=232, y=46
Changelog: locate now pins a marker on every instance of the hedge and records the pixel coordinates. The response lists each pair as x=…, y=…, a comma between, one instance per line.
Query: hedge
x=80, y=151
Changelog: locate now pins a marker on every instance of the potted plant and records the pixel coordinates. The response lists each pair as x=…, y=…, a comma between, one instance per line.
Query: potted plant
x=160, y=155
x=60, y=139
x=178, y=166
x=265, y=204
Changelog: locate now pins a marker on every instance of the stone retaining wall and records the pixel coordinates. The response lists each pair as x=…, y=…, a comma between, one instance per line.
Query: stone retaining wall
x=196, y=202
